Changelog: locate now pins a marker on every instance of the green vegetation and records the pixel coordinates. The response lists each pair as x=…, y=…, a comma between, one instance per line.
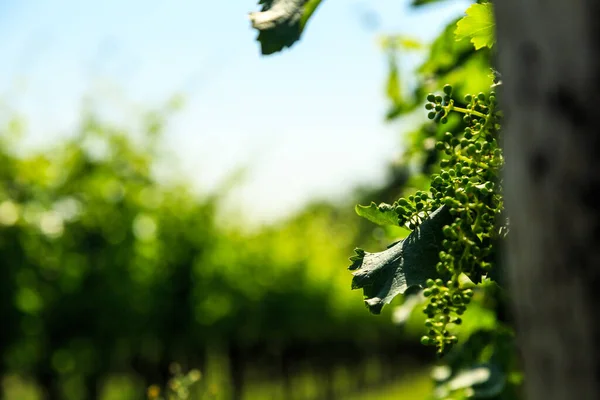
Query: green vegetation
x=450, y=260
x=111, y=275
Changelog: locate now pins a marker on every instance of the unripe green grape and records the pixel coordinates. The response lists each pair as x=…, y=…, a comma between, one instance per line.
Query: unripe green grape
x=431, y=115
x=430, y=282
x=447, y=89
x=431, y=97
x=440, y=268
x=429, y=106
x=444, y=120
x=403, y=202
x=468, y=98
x=438, y=108
x=439, y=282
x=438, y=99
x=426, y=292
x=426, y=340
x=481, y=96
x=467, y=119
x=444, y=163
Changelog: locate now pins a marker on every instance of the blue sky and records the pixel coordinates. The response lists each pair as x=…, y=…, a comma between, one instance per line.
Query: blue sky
x=308, y=121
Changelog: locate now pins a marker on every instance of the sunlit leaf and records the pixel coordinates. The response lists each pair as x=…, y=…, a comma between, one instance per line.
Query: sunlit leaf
x=478, y=25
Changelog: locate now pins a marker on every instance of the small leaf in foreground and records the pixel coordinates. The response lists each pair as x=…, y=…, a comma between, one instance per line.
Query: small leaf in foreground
x=386, y=274
x=478, y=25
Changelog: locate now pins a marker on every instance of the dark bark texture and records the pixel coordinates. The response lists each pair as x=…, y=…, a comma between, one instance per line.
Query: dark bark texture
x=549, y=58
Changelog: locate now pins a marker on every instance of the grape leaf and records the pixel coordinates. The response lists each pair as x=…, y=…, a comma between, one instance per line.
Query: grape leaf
x=410, y=262
x=478, y=25
x=382, y=214
x=416, y=3
x=281, y=22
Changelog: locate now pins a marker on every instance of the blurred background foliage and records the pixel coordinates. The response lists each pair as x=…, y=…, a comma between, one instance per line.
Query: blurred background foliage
x=109, y=271
x=110, y=275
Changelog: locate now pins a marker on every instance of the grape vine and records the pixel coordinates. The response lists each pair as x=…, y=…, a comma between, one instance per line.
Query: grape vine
x=464, y=198
x=469, y=185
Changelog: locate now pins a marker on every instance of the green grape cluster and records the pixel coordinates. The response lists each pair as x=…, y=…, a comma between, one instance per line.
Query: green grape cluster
x=469, y=186
x=450, y=299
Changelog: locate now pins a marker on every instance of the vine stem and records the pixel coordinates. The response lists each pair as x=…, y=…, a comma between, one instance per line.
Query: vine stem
x=466, y=111
x=470, y=160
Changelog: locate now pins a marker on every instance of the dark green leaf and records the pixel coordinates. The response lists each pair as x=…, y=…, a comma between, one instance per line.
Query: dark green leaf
x=416, y=3
x=382, y=214
x=386, y=274
x=281, y=22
